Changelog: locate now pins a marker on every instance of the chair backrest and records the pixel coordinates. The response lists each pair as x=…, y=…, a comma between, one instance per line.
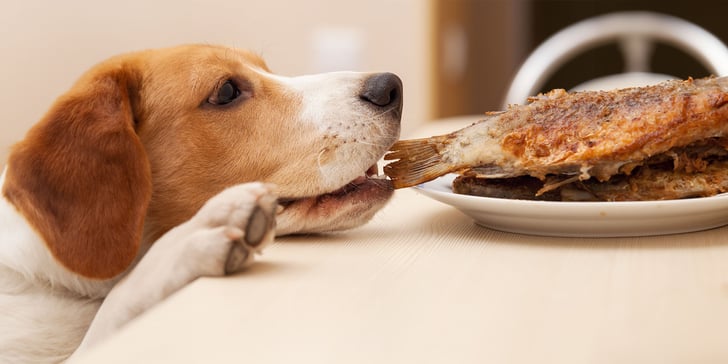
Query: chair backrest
x=636, y=33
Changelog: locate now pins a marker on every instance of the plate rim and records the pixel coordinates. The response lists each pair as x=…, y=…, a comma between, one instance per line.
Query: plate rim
x=449, y=177
x=601, y=214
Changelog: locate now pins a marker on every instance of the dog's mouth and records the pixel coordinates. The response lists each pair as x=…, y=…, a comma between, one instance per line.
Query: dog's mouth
x=370, y=185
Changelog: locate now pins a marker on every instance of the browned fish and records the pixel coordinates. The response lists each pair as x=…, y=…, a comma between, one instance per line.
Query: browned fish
x=587, y=137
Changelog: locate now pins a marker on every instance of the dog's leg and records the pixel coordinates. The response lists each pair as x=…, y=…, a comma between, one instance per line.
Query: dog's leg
x=220, y=239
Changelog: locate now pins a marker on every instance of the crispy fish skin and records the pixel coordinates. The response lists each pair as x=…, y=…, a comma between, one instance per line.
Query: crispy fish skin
x=590, y=133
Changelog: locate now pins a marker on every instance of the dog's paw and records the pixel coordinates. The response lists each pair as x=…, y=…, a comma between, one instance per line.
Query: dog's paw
x=241, y=219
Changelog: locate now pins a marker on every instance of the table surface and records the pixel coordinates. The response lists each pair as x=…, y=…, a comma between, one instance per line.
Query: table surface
x=422, y=283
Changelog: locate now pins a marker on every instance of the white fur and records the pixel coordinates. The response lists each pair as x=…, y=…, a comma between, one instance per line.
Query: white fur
x=47, y=310
x=40, y=301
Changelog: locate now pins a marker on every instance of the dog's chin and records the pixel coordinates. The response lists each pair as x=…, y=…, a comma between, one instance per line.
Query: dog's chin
x=347, y=207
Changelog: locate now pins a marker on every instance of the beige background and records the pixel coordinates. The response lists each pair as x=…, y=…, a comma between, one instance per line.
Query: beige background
x=46, y=45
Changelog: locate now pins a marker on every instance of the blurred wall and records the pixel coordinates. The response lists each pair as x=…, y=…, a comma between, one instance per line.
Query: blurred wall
x=45, y=45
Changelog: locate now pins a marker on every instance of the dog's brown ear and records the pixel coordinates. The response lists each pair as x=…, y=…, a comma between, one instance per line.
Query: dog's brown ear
x=81, y=176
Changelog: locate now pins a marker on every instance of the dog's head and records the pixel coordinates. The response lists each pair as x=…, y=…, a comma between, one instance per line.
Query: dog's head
x=142, y=140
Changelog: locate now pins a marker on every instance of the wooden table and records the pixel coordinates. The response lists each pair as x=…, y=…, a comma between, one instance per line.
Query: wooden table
x=422, y=283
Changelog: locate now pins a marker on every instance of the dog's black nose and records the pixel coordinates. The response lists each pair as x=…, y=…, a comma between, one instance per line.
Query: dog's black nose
x=384, y=90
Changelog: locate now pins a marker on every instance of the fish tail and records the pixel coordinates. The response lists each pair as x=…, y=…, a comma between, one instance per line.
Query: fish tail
x=416, y=161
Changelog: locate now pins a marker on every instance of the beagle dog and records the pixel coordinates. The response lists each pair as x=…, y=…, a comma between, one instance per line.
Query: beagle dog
x=162, y=166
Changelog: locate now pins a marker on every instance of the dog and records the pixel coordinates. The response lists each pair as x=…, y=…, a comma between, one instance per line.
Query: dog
x=161, y=166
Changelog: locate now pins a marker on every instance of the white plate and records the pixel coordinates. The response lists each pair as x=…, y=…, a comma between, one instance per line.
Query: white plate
x=584, y=219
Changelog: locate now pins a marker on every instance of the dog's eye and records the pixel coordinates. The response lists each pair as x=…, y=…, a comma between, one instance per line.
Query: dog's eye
x=225, y=94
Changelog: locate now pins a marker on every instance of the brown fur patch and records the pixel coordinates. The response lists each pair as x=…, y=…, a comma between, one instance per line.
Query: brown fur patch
x=81, y=177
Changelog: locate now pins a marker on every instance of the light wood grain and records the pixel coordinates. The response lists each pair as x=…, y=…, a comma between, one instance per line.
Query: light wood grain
x=423, y=284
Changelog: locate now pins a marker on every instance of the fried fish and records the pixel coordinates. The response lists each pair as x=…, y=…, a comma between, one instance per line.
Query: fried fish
x=664, y=141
